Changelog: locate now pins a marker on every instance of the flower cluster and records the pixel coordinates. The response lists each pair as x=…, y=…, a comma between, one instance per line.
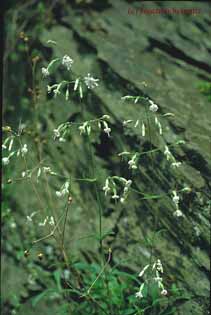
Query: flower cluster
x=157, y=269
x=132, y=162
x=90, y=82
x=49, y=220
x=64, y=190
x=169, y=156
x=153, y=107
x=110, y=185
x=67, y=62
x=176, y=199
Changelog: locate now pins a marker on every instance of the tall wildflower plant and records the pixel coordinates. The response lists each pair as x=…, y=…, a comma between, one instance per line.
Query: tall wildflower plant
x=103, y=288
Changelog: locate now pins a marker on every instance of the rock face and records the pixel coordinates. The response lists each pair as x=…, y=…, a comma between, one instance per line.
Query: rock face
x=163, y=57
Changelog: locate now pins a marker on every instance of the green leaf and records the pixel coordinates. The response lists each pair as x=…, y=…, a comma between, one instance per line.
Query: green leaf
x=57, y=277
x=40, y=296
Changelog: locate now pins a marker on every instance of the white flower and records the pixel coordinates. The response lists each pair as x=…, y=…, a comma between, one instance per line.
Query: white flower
x=122, y=200
x=128, y=182
x=153, y=107
x=167, y=153
x=136, y=124
x=143, y=271
x=58, y=194
x=175, y=198
x=57, y=91
x=115, y=196
x=24, y=149
x=164, y=292
x=106, y=117
x=106, y=188
x=56, y=133
x=64, y=190
x=143, y=130
x=126, y=122
x=90, y=82
x=82, y=129
x=51, y=221
x=5, y=161
x=62, y=139
x=67, y=62
x=10, y=145
x=176, y=164
x=44, y=222
x=159, y=266
x=107, y=130
x=138, y=295
x=178, y=213
x=45, y=72
x=186, y=189
x=46, y=169
x=29, y=217
x=132, y=162
x=76, y=84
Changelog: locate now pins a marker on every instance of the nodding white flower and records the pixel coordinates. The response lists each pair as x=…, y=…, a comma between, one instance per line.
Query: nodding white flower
x=106, y=188
x=175, y=198
x=4, y=146
x=176, y=164
x=160, y=128
x=82, y=128
x=106, y=117
x=136, y=123
x=58, y=194
x=62, y=139
x=107, y=130
x=45, y=72
x=132, y=162
x=90, y=82
x=178, y=213
x=164, y=292
x=159, y=266
x=56, y=133
x=186, y=189
x=76, y=84
x=143, y=130
x=10, y=145
x=57, y=90
x=24, y=149
x=5, y=160
x=44, y=222
x=139, y=293
x=128, y=182
x=51, y=221
x=46, y=169
x=153, y=107
x=29, y=217
x=126, y=122
x=115, y=196
x=167, y=153
x=64, y=190
x=67, y=62
x=143, y=270
x=122, y=199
